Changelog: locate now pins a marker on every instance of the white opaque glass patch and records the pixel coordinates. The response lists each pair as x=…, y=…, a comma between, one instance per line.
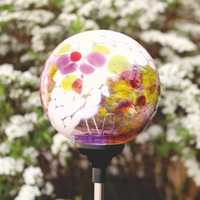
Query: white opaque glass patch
x=57, y=91
x=60, y=112
x=57, y=120
x=104, y=90
x=85, y=47
x=86, y=113
x=86, y=86
x=75, y=105
x=139, y=58
x=94, y=99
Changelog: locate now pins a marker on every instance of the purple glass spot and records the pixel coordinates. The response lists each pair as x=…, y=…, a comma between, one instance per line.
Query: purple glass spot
x=86, y=69
x=95, y=139
x=72, y=67
x=63, y=61
x=96, y=58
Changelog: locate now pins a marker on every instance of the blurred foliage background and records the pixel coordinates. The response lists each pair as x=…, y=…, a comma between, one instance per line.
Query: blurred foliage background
x=37, y=163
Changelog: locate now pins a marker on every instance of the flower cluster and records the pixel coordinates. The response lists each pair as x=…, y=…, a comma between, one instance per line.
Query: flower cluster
x=176, y=42
x=32, y=175
x=193, y=170
x=19, y=125
x=60, y=143
x=28, y=192
x=9, y=166
x=31, y=152
x=60, y=146
x=149, y=134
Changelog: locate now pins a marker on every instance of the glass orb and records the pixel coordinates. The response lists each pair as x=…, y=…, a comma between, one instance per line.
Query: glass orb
x=100, y=88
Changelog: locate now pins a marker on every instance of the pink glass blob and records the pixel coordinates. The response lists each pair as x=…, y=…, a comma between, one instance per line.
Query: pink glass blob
x=100, y=88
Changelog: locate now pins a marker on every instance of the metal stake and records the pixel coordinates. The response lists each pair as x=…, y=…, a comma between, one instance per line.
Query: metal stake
x=98, y=191
x=99, y=157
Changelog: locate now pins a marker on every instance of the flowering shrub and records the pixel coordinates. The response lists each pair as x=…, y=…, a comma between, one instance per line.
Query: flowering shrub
x=37, y=162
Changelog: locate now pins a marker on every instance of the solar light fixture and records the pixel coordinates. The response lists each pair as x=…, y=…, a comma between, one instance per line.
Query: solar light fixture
x=100, y=89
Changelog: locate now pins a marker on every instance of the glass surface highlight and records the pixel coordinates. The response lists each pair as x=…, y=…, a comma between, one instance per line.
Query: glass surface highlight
x=100, y=88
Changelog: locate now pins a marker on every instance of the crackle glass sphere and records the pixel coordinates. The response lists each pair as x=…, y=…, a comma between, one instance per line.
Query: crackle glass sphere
x=100, y=88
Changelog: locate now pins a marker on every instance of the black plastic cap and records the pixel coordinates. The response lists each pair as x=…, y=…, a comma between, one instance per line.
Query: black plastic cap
x=99, y=157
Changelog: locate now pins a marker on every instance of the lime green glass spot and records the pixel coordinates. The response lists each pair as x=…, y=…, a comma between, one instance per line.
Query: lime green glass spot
x=149, y=82
x=151, y=94
x=118, y=64
x=149, y=76
x=67, y=82
x=102, y=49
x=63, y=48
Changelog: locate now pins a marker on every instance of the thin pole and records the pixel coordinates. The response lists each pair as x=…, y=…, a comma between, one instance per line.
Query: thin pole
x=98, y=191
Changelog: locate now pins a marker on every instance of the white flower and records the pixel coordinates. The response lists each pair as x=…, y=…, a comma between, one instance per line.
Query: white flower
x=119, y=3
x=32, y=152
x=7, y=166
x=14, y=131
x=133, y=6
x=6, y=70
x=6, y=2
x=4, y=49
x=90, y=24
x=31, y=117
x=151, y=14
x=20, y=126
x=122, y=23
x=31, y=174
x=155, y=130
x=28, y=78
x=19, y=4
x=197, y=178
x=142, y=138
x=28, y=192
x=171, y=135
x=67, y=19
x=37, y=43
x=48, y=189
x=12, y=192
x=191, y=28
x=62, y=157
x=4, y=148
x=15, y=93
x=173, y=40
x=59, y=145
x=69, y=5
x=33, y=100
x=193, y=170
x=149, y=134
x=87, y=8
x=19, y=165
x=40, y=16
x=26, y=57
